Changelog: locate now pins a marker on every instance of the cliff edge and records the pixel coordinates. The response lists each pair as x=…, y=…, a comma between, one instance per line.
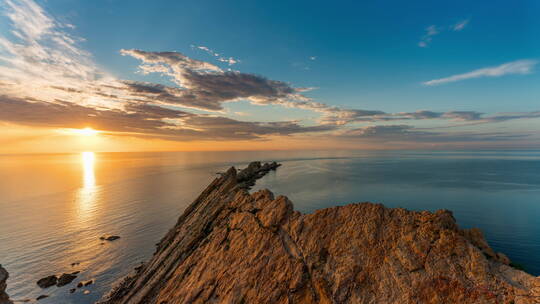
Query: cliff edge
x=231, y=246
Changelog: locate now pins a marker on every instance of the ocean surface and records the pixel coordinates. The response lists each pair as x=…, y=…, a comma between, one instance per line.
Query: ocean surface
x=54, y=207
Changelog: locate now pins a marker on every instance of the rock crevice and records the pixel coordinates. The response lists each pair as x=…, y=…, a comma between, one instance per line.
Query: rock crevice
x=231, y=246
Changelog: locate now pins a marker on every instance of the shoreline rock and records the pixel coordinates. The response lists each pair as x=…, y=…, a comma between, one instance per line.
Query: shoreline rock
x=109, y=238
x=65, y=279
x=48, y=281
x=230, y=246
x=4, y=297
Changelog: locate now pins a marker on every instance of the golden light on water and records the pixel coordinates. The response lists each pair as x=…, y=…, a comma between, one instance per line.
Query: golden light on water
x=89, y=178
x=87, y=195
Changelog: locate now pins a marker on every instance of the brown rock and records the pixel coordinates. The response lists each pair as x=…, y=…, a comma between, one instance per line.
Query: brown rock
x=4, y=275
x=65, y=279
x=41, y=297
x=109, y=238
x=231, y=246
x=47, y=281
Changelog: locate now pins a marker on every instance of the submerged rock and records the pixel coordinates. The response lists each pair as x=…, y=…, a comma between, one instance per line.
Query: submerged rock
x=4, y=275
x=41, y=297
x=65, y=279
x=230, y=246
x=47, y=281
x=109, y=238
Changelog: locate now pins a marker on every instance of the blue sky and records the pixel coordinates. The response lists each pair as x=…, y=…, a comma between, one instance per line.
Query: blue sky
x=366, y=52
x=368, y=55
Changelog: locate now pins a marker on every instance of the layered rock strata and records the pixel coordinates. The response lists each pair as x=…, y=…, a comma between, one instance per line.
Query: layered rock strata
x=230, y=246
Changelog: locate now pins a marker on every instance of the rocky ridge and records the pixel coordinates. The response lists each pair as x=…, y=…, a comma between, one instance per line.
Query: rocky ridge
x=230, y=246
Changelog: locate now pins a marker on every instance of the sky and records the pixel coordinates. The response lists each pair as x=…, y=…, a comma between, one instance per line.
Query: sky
x=260, y=75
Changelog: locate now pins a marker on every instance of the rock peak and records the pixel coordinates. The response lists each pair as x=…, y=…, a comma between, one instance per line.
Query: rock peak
x=232, y=246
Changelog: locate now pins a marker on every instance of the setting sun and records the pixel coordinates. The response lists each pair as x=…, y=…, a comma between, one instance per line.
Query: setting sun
x=86, y=131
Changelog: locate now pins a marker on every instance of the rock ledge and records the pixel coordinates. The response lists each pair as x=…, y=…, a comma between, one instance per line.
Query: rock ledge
x=231, y=246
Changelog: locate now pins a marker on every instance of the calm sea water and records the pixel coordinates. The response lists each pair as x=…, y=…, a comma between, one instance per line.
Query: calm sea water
x=54, y=208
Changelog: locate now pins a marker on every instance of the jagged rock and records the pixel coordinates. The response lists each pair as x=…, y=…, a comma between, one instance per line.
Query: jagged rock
x=4, y=275
x=41, y=297
x=109, y=238
x=47, y=281
x=65, y=279
x=230, y=246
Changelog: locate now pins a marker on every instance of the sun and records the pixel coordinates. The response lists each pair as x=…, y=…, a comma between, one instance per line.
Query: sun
x=86, y=131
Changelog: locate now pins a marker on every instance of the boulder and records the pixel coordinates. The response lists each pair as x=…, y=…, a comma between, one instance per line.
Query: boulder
x=65, y=279
x=47, y=281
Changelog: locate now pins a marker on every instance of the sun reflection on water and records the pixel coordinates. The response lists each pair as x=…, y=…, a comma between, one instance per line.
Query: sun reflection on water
x=89, y=178
x=87, y=195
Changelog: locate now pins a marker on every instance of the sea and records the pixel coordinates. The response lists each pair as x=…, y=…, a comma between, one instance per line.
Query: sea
x=55, y=207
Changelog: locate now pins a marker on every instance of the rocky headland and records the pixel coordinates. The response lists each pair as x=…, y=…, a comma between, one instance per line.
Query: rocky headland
x=230, y=246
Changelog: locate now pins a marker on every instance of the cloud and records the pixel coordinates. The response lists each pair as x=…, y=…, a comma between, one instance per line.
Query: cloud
x=230, y=60
x=143, y=120
x=48, y=80
x=203, y=81
x=434, y=30
x=431, y=31
x=338, y=116
x=515, y=67
x=460, y=25
x=406, y=133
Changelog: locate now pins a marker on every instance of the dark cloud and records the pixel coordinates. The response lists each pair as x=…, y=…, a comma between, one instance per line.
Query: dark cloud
x=204, y=85
x=341, y=117
x=143, y=120
x=406, y=133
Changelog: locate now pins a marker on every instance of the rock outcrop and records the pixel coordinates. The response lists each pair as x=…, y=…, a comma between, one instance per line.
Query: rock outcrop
x=4, y=275
x=230, y=246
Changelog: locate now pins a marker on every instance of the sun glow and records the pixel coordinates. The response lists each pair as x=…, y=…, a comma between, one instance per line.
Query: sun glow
x=85, y=132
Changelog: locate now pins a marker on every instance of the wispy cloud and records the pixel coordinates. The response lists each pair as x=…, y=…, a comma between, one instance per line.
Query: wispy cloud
x=431, y=31
x=406, y=133
x=229, y=60
x=460, y=25
x=434, y=30
x=515, y=67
